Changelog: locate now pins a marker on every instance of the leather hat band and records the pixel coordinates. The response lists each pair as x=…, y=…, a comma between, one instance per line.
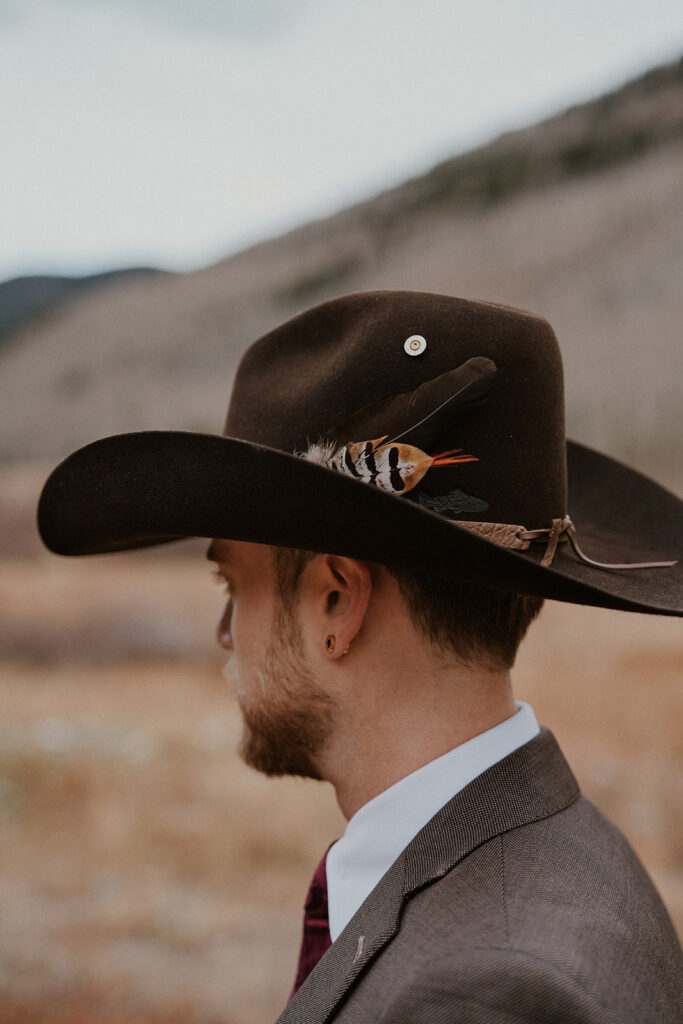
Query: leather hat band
x=509, y=536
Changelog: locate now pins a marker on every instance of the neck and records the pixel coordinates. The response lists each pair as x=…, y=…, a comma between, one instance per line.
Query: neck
x=394, y=725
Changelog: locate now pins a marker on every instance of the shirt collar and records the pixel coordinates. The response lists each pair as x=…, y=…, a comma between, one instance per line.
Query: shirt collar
x=382, y=828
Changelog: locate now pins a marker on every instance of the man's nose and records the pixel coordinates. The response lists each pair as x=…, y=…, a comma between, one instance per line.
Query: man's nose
x=223, y=633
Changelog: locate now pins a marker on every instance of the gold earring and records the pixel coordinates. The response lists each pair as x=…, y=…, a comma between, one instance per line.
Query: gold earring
x=346, y=649
x=330, y=643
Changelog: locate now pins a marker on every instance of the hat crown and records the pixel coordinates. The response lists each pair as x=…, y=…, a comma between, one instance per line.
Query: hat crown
x=297, y=383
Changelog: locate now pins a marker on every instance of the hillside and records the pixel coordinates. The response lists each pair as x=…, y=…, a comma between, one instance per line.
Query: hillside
x=23, y=298
x=579, y=218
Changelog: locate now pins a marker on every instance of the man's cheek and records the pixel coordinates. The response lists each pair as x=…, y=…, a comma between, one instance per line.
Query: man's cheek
x=231, y=674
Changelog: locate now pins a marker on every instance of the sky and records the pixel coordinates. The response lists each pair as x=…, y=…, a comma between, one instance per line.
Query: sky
x=174, y=132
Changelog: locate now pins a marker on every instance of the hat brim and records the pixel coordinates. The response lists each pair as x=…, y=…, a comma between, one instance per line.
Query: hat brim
x=141, y=489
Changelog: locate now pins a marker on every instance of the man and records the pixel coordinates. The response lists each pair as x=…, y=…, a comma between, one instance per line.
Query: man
x=388, y=508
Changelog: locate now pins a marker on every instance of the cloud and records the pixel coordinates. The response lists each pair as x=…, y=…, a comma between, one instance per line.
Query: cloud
x=244, y=20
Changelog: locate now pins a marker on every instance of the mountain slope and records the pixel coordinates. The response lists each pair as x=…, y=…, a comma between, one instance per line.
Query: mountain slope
x=23, y=298
x=579, y=218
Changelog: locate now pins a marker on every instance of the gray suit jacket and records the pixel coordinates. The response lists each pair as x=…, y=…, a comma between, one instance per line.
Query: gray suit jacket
x=518, y=902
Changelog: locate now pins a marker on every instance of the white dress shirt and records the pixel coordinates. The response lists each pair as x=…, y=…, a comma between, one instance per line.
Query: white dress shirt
x=382, y=828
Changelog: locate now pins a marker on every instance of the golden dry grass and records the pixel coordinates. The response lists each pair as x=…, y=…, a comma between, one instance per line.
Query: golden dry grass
x=147, y=875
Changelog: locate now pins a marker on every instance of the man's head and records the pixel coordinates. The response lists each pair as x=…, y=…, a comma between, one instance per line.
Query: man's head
x=394, y=634
x=421, y=438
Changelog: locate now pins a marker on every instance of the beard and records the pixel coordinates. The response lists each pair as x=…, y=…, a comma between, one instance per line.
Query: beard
x=286, y=727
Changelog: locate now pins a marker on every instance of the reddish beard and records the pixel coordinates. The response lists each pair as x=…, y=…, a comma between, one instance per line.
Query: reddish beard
x=287, y=727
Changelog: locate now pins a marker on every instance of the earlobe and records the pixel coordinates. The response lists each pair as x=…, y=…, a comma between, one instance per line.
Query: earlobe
x=331, y=645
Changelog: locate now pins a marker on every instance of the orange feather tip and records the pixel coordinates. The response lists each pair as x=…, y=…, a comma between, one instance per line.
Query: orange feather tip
x=439, y=461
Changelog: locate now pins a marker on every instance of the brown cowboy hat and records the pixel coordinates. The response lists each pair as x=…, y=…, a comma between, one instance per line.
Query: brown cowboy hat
x=404, y=428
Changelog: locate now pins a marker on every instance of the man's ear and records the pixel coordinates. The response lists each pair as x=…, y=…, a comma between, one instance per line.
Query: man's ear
x=344, y=589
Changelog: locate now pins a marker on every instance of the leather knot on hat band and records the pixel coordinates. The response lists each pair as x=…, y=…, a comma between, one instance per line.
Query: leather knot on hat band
x=519, y=537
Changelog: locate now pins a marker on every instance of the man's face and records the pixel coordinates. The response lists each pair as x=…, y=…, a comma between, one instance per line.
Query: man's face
x=287, y=716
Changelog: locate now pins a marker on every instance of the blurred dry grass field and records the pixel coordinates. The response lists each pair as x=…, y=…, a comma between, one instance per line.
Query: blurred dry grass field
x=147, y=875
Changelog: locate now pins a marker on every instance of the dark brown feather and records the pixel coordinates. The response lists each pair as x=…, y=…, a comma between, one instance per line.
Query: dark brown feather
x=419, y=417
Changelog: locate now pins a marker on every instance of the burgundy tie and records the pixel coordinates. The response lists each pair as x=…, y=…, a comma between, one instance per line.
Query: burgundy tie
x=316, y=938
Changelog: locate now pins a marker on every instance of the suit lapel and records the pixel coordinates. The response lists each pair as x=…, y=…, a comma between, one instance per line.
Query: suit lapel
x=532, y=783
x=366, y=934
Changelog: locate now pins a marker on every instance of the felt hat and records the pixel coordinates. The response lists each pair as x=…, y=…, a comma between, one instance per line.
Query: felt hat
x=409, y=429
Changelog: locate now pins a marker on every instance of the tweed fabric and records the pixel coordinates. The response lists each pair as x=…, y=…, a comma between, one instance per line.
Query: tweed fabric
x=518, y=902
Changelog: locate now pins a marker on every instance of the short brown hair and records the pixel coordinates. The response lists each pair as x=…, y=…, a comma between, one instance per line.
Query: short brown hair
x=479, y=625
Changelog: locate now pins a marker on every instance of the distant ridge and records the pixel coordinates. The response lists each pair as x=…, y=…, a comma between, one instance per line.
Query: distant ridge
x=588, y=138
x=22, y=298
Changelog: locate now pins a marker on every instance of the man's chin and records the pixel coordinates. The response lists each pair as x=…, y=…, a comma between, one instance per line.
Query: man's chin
x=287, y=718
x=275, y=756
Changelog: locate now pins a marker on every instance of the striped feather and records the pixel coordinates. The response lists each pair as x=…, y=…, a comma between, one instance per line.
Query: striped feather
x=396, y=468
